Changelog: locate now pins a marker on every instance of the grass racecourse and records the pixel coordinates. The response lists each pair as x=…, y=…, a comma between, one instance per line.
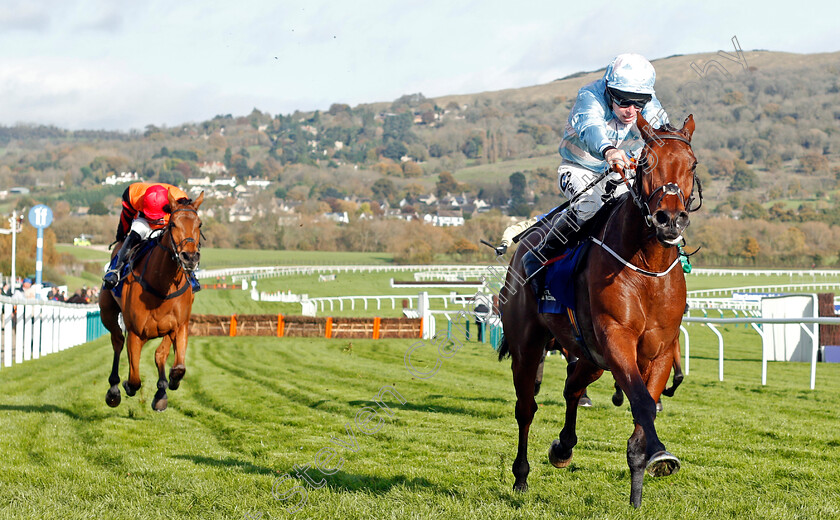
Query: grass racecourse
x=255, y=418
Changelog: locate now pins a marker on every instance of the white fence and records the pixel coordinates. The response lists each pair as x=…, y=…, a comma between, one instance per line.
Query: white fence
x=455, y=299
x=775, y=289
x=754, y=323
x=31, y=329
x=767, y=272
x=239, y=273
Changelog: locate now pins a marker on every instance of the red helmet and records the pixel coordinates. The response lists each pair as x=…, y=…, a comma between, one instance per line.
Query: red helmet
x=155, y=198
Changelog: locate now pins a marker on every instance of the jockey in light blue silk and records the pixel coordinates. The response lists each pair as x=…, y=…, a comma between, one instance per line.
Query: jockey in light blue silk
x=600, y=133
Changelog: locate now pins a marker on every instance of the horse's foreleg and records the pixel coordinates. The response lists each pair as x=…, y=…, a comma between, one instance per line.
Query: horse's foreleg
x=132, y=384
x=160, y=402
x=636, y=461
x=109, y=314
x=176, y=373
x=645, y=448
x=581, y=373
x=524, y=366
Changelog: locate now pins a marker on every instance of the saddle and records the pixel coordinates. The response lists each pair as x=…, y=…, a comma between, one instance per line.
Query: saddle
x=559, y=291
x=136, y=254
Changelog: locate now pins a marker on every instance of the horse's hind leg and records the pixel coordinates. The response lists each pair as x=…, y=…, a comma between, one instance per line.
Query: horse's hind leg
x=524, y=366
x=160, y=400
x=176, y=373
x=109, y=314
x=581, y=374
x=678, y=374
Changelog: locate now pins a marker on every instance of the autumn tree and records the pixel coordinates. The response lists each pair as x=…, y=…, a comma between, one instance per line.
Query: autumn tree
x=446, y=184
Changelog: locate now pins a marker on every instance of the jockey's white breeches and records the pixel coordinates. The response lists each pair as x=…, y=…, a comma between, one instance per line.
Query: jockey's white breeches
x=572, y=178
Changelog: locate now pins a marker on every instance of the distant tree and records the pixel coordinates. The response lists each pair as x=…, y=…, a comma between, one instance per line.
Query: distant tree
x=744, y=178
x=394, y=150
x=228, y=157
x=446, y=184
x=412, y=169
x=172, y=177
x=383, y=189
x=813, y=163
x=473, y=148
x=98, y=208
x=746, y=248
x=753, y=210
x=518, y=183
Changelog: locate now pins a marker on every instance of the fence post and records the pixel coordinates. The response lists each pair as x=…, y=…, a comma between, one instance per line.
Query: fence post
x=281, y=325
x=377, y=321
x=233, y=325
x=328, y=328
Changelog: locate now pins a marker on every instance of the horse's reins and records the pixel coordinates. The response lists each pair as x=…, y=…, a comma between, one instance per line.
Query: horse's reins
x=173, y=254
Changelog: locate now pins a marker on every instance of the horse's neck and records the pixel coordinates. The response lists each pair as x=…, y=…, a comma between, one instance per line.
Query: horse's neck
x=164, y=263
x=629, y=235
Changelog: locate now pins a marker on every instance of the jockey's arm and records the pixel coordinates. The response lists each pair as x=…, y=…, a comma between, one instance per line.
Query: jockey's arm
x=590, y=123
x=142, y=227
x=515, y=229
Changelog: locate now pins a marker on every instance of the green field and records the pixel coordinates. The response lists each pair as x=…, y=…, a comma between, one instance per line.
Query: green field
x=252, y=409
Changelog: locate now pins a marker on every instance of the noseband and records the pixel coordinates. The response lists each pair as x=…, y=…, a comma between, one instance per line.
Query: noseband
x=669, y=189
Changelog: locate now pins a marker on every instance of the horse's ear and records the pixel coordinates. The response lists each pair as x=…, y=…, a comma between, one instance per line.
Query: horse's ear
x=172, y=199
x=644, y=127
x=198, y=200
x=688, y=127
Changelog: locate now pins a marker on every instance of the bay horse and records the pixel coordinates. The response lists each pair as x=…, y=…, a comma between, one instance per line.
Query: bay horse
x=629, y=300
x=156, y=301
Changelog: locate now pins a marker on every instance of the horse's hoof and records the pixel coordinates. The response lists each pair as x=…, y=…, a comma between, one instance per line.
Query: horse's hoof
x=521, y=487
x=113, y=398
x=129, y=391
x=175, y=375
x=659, y=407
x=662, y=464
x=618, y=398
x=159, y=405
x=554, y=459
x=585, y=402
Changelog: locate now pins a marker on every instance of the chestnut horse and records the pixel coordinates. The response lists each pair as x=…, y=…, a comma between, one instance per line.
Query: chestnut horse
x=156, y=301
x=630, y=301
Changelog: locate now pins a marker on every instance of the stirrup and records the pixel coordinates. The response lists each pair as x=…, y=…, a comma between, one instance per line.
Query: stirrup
x=108, y=281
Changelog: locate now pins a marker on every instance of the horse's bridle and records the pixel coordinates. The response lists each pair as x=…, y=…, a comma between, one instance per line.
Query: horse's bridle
x=669, y=189
x=175, y=250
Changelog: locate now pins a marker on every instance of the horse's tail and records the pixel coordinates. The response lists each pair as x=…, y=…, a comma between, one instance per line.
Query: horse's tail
x=504, y=348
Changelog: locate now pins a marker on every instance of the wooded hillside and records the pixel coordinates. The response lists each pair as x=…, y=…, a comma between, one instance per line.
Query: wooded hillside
x=768, y=142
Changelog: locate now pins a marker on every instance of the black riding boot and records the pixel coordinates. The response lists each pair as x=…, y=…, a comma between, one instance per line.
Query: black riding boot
x=112, y=277
x=562, y=233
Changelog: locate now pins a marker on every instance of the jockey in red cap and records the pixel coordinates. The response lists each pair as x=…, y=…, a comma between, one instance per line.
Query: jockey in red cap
x=144, y=210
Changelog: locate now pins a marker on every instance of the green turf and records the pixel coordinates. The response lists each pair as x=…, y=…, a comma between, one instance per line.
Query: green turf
x=251, y=409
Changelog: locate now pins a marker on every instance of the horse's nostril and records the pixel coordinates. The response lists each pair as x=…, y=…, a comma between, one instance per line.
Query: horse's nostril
x=682, y=220
x=661, y=218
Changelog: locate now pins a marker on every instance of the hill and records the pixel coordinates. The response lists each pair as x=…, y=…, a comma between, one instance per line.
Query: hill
x=767, y=140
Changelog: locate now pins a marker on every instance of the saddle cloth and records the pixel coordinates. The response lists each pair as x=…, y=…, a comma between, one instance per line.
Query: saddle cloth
x=559, y=292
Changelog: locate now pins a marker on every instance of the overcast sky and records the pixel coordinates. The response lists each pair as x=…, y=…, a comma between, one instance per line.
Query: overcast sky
x=106, y=64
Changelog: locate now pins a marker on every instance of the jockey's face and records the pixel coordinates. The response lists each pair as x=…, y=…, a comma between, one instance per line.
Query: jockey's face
x=625, y=115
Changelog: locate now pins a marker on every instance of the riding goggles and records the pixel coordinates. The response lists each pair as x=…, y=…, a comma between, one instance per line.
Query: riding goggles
x=626, y=99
